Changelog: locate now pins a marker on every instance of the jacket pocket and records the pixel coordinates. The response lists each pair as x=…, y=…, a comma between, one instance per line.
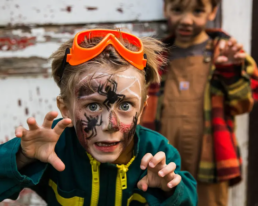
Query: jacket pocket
x=67, y=198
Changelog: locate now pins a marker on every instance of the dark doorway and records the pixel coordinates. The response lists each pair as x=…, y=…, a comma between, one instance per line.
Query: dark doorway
x=252, y=187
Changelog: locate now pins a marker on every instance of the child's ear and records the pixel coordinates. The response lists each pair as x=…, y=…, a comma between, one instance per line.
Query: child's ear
x=64, y=109
x=140, y=115
x=213, y=13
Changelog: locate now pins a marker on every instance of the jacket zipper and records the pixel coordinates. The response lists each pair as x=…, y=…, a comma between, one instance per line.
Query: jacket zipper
x=121, y=181
x=95, y=181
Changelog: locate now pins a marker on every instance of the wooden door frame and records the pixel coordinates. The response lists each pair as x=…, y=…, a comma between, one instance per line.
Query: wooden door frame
x=252, y=182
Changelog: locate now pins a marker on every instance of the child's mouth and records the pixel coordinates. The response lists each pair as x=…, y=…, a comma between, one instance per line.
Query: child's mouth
x=184, y=32
x=106, y=146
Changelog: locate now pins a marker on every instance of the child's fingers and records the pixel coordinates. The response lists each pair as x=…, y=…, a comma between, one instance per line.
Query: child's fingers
x=221, y=60
x=20, y=132
x=61, y=125
x=240, y=56
x=232, y=41
x=143, y=184
x=175, y=181
x=159, y=158
x=55, y=161
x=238, y=47
x=49, y=118
x=145, y=160
x=222, y=45
x=168, y=170
x=32, y=123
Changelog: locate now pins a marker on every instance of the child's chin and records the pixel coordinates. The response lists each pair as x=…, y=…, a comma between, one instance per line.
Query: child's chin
x=105, y=158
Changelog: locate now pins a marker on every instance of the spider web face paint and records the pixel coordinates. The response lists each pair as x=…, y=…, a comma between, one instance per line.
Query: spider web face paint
x=110, y=123
x=110, y=89
x=90, y=125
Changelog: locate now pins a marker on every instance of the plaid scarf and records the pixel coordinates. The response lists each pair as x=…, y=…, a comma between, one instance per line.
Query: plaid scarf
x=227, y=93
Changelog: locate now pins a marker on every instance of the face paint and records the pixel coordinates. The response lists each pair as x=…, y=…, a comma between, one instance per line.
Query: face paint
x=80, y=134
x=114, y=123
x=129, y=130
x=106, y=108
x=90, y=125
x=110, y=92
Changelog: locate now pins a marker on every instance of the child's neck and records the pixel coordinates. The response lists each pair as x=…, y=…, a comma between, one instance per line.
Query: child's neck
x=126, y=155
x=200, y=38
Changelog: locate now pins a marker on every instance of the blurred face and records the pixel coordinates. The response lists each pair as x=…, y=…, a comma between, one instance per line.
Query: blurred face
x=105, y=112
x=188, y=18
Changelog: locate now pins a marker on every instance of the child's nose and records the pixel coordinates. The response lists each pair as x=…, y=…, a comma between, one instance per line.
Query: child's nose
x=187, y=19
x=112, y=123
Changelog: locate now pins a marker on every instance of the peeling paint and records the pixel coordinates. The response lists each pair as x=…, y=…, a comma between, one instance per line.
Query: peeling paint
x=89, y=8
x=120, y=10
x=68, y=9
x=99, y=11
x=14, y=43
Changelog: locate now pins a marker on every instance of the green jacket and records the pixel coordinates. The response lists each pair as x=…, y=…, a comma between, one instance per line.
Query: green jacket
x=87, y=182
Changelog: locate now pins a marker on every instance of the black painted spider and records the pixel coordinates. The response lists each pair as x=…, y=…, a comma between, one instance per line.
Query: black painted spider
x=111, y=94
x=91, y=124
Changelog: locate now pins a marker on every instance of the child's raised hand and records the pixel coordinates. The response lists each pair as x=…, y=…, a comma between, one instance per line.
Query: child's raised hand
x=159, y=174
x=230, y=52
x=39, y=141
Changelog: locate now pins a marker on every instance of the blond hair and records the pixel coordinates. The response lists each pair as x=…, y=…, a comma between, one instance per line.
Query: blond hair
x=153, y=49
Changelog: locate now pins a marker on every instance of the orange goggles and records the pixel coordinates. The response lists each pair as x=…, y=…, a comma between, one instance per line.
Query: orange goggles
x=79, y=55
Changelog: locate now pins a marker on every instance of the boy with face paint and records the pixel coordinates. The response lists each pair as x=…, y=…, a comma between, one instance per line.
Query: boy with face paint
x=98, y=154
x=204, y=86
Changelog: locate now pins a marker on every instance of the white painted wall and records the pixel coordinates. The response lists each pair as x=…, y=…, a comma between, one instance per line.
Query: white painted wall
x=22, y=98
x=237, y=21
x=78, y=11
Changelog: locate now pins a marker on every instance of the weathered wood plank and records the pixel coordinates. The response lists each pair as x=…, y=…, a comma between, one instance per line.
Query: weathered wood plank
x=78, y=12
x=237, y=21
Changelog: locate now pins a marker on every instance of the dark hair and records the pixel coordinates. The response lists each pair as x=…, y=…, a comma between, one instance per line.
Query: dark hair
x=214, y=3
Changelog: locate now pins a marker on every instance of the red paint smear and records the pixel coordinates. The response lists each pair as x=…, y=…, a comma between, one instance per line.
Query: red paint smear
x=16, y=43
x=113, y=120
x=120, y=10
x=125, y=128
x=91, y=8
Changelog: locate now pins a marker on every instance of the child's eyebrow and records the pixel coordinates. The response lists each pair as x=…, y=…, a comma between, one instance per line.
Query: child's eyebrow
x=131, y=98
x=85, y=90
x=94, y=97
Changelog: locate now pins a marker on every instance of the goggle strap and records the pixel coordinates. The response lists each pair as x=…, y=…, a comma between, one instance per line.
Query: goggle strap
x=63, y=65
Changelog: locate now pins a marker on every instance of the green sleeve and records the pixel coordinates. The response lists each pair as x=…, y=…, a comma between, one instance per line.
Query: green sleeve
x=185, y=193
x=13, y=181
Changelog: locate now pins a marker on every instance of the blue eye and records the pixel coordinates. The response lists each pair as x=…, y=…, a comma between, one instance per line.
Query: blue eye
x=93, y=107
x=125, y=106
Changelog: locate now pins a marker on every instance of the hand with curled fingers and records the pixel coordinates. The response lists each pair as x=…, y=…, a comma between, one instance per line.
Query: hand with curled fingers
x=38, y=143
x=231, y=52
x=159, y=174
